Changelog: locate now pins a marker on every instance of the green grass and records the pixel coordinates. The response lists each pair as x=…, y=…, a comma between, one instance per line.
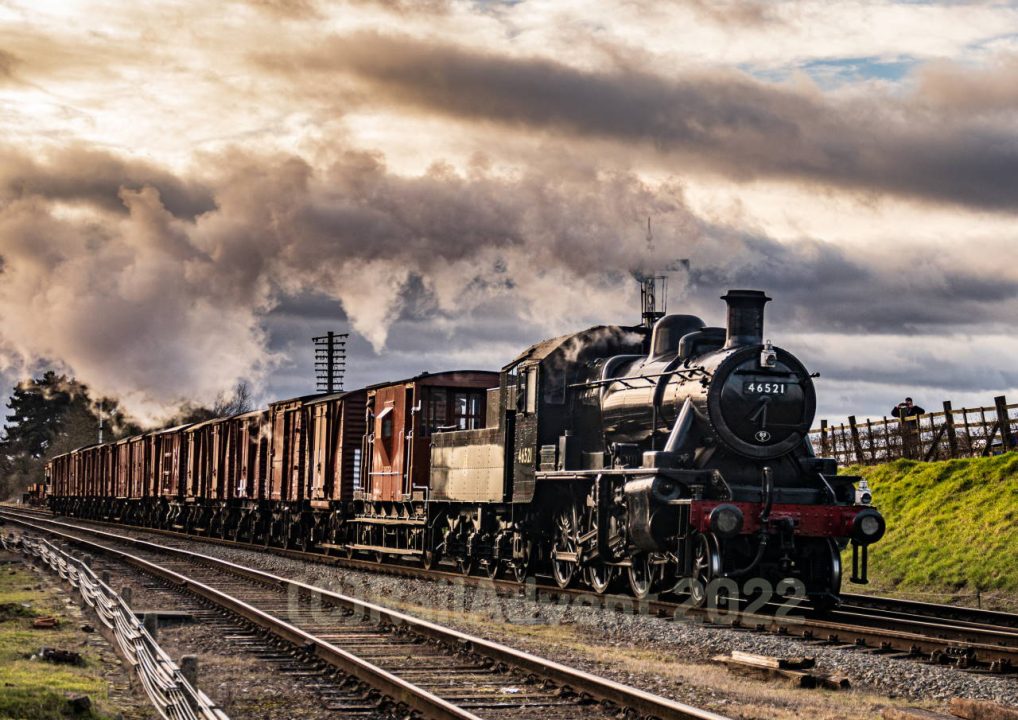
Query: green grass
x=951, y=525
x=30, y=689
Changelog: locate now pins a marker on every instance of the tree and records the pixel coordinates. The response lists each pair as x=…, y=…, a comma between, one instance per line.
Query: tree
x=237, y=401
x=50, y=415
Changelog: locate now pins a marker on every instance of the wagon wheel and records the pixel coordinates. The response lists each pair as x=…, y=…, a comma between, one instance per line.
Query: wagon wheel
x=564, y=571
x=521, y=566
x=600, y=576
x=643, y=575
x=429, y=559
x=240, y=530
x=431, y=556
x=706, y=568
x=494, y=569
x=465, y=565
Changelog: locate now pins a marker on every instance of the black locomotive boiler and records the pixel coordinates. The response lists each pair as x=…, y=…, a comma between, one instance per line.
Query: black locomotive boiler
x=673, y=458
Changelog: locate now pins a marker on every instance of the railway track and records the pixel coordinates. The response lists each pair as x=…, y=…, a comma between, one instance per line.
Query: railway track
x=970, y=639
x=419, y=666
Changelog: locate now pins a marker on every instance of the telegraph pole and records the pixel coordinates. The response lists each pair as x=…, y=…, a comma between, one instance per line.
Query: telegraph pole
x=100, y=422
x=330, y=361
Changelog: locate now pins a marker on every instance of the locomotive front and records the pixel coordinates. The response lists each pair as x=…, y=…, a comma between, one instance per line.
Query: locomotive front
x=711, y=430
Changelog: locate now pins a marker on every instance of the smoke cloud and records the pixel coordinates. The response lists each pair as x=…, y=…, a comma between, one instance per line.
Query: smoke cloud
x=157, y=306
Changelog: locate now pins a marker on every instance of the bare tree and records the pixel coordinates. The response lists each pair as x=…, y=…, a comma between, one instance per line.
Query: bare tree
x=237, y=402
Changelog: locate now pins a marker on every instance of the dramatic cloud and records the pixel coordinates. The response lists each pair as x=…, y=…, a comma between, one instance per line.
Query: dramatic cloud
x=721, y=121
x=155, y=307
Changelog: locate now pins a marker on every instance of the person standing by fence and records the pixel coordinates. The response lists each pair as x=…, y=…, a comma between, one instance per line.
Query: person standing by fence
x=908, y=413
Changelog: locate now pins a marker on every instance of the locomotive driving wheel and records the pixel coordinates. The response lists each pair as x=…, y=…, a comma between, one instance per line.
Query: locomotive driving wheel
x=564, y=570
x=600, y=576
x=643, y=575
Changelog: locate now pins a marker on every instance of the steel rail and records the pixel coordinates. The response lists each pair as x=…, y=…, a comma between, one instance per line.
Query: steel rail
x=976, y=616
x=924, y=640
x=644, y=704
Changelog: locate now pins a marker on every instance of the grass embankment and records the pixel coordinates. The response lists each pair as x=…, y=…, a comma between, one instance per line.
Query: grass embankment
x=32, y=689
x=952, y=526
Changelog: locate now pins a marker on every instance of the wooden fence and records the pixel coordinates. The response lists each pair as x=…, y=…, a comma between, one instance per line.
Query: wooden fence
x=969, y=432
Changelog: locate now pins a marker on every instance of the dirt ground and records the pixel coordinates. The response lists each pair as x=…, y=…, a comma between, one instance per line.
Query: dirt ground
x=33, y=689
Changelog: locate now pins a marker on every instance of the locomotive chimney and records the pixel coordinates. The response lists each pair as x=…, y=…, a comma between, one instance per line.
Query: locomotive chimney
x=745, y=317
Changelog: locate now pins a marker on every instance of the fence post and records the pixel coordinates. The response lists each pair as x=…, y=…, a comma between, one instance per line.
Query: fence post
x=869, y=436
x=855, y=440
x=1004, y=423
x=823, y=439
x=952, y=437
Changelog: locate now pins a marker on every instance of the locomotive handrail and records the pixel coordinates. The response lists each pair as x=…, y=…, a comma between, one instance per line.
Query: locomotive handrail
x=691, y=372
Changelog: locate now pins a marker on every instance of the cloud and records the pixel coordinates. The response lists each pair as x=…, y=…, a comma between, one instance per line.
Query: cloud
x=76, y=173
x=901, y=291
x=157, y=306
x=8, y=61
x=717, y=121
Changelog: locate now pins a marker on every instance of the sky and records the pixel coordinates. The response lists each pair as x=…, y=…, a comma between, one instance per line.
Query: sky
x=189, y=191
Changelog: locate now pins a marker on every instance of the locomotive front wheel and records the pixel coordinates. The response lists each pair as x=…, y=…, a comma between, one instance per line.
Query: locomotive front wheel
x=706, y=568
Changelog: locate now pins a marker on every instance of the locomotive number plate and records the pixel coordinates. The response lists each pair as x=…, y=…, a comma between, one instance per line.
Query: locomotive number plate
x=764, y=388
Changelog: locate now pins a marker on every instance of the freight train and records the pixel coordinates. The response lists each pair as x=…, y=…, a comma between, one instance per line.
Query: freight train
x=35, y=495
x=671, y=456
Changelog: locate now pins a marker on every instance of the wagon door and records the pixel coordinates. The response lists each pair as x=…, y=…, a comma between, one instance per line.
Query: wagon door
x=295, y=474
x=321, y=465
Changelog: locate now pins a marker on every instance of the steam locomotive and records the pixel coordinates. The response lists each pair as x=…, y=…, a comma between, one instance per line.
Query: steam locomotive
x=673, y=458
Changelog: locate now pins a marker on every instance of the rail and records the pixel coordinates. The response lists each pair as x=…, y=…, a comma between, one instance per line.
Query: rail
x=931, y=634
x=943, y=435
x=629, y=700
x=173, y=697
